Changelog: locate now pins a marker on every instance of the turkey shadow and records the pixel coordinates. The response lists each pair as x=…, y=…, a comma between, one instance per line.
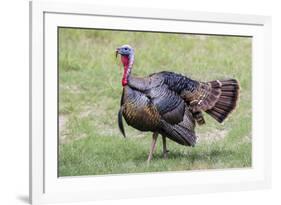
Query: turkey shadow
x=191, y=155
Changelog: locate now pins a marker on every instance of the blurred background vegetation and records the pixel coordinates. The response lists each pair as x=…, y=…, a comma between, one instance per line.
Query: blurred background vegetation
x=89, y=98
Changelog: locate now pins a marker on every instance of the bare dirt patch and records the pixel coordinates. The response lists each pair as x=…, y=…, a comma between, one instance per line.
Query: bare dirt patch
x=74, y=89
x=64, y=136
x=213, y=135
x=62, y=128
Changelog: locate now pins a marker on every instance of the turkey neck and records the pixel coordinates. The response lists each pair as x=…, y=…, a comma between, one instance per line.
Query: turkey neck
x=128, y=62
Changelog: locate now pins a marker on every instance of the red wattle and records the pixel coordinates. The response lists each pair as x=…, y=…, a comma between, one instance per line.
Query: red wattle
x=124, y=82
x=124, y=79
x=125, y=61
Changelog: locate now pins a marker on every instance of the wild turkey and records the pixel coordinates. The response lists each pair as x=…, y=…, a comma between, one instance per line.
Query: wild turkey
x=171, y=104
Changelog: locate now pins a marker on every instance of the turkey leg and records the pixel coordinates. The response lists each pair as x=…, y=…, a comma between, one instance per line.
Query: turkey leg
x=165, y=151
x=153, y=143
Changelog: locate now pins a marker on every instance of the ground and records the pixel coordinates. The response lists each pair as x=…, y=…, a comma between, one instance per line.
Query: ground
x=89, y=98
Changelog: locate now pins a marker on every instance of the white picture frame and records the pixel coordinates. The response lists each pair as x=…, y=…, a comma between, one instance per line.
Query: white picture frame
x=46, y=187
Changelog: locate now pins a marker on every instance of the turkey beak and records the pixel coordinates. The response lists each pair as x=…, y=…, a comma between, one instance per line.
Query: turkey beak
x=116, y=52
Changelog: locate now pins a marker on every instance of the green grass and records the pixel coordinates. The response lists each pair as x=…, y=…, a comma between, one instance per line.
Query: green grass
x=89, y=98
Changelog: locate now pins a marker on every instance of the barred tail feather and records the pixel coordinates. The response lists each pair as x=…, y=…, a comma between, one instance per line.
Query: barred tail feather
x=198, y=116
x=227, y=100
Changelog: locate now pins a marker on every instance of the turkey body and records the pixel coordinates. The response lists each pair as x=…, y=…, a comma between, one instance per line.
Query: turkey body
x=156, y=107
x=171, y=104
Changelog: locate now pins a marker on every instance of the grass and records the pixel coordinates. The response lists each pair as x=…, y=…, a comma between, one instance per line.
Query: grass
x=89, y=98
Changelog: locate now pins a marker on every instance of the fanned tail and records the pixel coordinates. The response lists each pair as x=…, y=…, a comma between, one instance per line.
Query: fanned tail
x=226, y=100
